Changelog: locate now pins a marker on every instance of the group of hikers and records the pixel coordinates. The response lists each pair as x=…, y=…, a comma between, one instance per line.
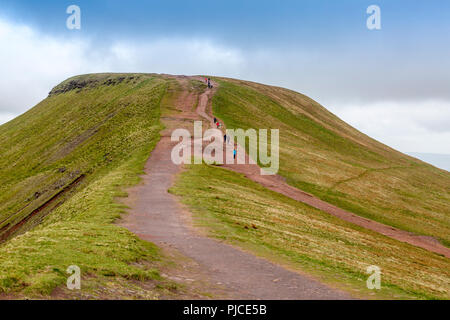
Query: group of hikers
x=208, y=82
x=226, y=138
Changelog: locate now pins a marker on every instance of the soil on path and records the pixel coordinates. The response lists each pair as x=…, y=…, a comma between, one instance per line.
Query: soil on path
x=225, y=271
x=277, y=183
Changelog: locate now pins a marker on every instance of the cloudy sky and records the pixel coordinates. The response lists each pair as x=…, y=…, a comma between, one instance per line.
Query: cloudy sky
x=393, y=84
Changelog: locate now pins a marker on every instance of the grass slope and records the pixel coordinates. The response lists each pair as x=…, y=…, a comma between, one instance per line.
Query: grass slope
x=65, y=161
x=322, y=155
x=242, y=212
x=70, y=156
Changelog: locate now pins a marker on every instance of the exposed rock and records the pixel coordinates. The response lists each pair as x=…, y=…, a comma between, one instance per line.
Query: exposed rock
x=80, y=84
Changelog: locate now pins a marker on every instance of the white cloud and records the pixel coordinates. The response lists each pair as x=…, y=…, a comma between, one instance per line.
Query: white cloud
x=6, y=116
x=175, y=56
x=31, y=63
x=422, y=126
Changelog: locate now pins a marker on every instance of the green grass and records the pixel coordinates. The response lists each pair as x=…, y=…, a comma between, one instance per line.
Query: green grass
x=65, y=162
x=104, y=131
x=244, y=213
x=80, y=233
x=322, y=155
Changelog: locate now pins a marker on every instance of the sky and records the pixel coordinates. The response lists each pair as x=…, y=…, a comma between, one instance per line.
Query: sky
x=392, y=83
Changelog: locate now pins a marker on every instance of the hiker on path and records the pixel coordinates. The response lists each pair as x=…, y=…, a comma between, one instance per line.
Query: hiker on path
x=215, y=120
x=224, y=138
x=234, y=153
x=218, y=124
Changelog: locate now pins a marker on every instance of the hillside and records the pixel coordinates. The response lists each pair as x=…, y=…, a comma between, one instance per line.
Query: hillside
x=62, y=163
x=322, y=155
x=66, y=161
x=231, y=207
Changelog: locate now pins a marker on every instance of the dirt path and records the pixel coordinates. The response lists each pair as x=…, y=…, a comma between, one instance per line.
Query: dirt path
x=277, y=184
x=156, y=216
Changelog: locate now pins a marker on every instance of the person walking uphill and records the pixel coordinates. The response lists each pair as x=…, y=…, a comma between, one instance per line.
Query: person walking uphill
x=234, y=153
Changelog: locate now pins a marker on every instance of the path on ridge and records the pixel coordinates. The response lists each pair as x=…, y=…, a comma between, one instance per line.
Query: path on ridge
x=156, y=216
x=276, y=183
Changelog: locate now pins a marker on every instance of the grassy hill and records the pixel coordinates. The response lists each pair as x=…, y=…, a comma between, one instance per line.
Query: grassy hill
x=65, y=161
x=321, y=154
x=234, y=209
x=62, y=164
